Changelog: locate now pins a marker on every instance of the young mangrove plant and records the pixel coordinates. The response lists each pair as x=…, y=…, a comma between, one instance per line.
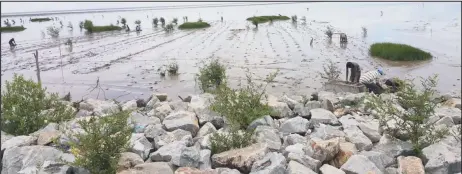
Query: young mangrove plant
x=123, y=21
x=294, y=18
x=155, y=21
x=162, y=21
x=175, y=21
x=53, y=31
x=331, y=71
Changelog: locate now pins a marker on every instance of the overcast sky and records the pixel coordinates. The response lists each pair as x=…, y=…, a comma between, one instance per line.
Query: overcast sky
x=10, y=7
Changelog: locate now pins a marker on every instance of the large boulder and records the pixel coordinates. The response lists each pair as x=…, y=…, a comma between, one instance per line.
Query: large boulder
x=346, y=150
x=410, y=165
x=289, y=101
x=313, y=105
x=178, y=154
x=206, y=129
x=152, y=132
x=204, y=161
x=128, y=160
x=371, y=130
x=297, y=125
x=263, y=121
x=19, y=141
x=302, y=111
x=292, y=139
x=443, y=157
x=152, y=103
x=296, y=168
x=453, y=103
x=445, y=122
x=358, y=164
x=307, y=161
x=140, y=145
x=323, y=150
x=323, y=116
x=129, y=105
x=162, y=111
x=241, y=159
x=182, y=120
x=161, y=96
x=348, y=121
x=268, y=136
x=169, y=137
x=280, y=109
x=140, y=121
x=5, y=137
x=380, y=160
x=153, y=168
x=178, y=105
x=326, y=95
x=296, y=148
x=328, y=169
x=393, y=147
x=271, y=163
x=356, y=136
x=27, y=158
x=454, y=113
x=326, y=132
x=100, y=107
x=200, y=105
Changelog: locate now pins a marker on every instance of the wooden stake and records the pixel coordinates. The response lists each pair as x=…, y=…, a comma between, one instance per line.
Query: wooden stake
x=37, y=64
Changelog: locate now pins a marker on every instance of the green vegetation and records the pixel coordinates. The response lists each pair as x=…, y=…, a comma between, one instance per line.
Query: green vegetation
x=294, y=18
x=40, y=19
x=221, y=142
x=169, y=28
x=53, y=31
x=123, y=21
x=98, y=149
x=155, y=21
x=27, y=107
x=212, y=75
x=192, y=25
x=175, y=21
x=162, y=20
x=12, y=29
x=88, y=25
x=263, y=19
x=331, y=71
x=398, y=52
x=411, y=119
x=255, y=22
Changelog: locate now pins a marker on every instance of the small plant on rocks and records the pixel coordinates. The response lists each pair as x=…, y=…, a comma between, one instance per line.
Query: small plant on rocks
x=235, y=139
x=26, y=107
x=331, y=71
x=212, y=75
x=417, y=107
x=98, y=149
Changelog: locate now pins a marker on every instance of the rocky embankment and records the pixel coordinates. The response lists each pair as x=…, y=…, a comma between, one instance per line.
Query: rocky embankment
x=322, y=135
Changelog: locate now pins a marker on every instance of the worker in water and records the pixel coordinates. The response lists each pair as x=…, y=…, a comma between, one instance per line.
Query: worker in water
x=138, y=28
x=12, y=42
x=372, y=81
x=355, y=71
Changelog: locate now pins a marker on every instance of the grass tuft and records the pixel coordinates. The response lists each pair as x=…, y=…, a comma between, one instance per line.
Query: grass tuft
x=88, y=25
x=398, y=52
x=192, y=25
x=263, y=19
x=12, y=29
x=40, y=19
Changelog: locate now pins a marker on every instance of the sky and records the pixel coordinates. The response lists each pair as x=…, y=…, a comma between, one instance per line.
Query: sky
x=12, y=7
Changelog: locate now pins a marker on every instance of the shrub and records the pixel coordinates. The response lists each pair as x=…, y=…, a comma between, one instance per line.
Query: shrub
x=263, y=19
x=398, y=52
x=191, y=25
x=12, y=29
x=23, y=107
x=53, y=31
x=212, y=75
x=331, y=71
x=411, y=121
x=98, y=149
x=88, y=25
x=155, y=21
x=329, y=32
x=40, y=19
x=235, y=139
x=162, y=20
x=172, y=68
x=242, y=106
x=175, y=21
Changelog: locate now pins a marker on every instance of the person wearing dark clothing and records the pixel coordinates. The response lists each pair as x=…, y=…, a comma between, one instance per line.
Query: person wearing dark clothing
x=12, y=42
x=355, y=72
x=392, y=84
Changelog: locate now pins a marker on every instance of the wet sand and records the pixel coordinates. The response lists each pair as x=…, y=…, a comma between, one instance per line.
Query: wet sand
x=127, y=63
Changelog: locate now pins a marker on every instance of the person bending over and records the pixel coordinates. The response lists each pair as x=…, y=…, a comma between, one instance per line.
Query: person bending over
x=12, y=42
x=355, y=72
x=371, y=80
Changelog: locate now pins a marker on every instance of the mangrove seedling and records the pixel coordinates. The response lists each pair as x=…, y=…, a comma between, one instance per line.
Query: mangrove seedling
x=162, y=20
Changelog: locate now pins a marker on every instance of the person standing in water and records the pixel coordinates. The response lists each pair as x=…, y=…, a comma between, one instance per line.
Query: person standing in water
x=12, y=42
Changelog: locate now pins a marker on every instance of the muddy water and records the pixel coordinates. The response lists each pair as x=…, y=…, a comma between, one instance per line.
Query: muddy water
x=126, y=63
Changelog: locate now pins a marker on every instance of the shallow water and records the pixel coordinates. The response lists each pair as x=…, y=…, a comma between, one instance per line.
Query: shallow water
x=126, y=63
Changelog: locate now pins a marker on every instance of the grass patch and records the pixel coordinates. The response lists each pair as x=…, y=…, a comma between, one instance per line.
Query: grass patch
x=192, y=25
x=88, y=25
x=398, y=52
x=263, y=19
x=12, y=29
x=40, y=19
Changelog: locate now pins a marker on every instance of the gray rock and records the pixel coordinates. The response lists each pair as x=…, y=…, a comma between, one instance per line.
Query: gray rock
x=269, y=136
x=163, y=110
x=23, y=159
x=179, y=105
x=326, y=132
x=325, y=95
x=290, y=102
x=169, y=137
x=128, y=160
x=154, y=168
x=380, y=160
x=204, y=161
x=182, y=120
x=356, y=136
x=391, y=170
x=161, y=96
x=19, y=141
x=432, y=119
x=169, y=152
x=446, y=121
x=207, y=128
x=323, y=150
x=204, y=142
x=280, y=109
x=313, y=105
x=190, y=157
x=153, y=131
x=263, y=121
x=200, y=106
x=46, y=137
x=139, y=121
x=348, y=121
x=323, y=116
x=371, y=130
x=328, y=169
x=140, y=145
x=5, y=137
x=410, y=164
x=152, y=103
x=307, y=161
x=241, y=159
x=99, y=107
x=129, y=105
x=359, y=164
x=297, y=125
x=393, y=147
x=222, y=170
x=301, y=110
x=443, y=157
x=327, y=105
x=296, y=149
x=51, y=127
x=454, y=113
x=296, y=168
x=272, y=163
x=292, y=139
